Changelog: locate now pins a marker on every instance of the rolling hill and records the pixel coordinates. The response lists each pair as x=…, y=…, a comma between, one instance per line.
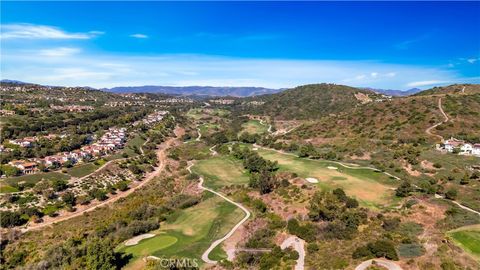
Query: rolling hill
x=312, y=101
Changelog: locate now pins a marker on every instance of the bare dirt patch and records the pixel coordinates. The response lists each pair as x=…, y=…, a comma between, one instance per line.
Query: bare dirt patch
x=410, y=170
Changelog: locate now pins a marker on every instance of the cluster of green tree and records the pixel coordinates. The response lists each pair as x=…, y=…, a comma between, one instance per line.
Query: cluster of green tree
x=262, y=171
x=8, y=170
x=308, y=150
x=376, y=249
x=342, y=214
x=275, y=259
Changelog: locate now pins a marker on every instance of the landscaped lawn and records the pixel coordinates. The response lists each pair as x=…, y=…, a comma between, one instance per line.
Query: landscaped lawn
x=371, y=188
x=255, y=127
x=190, y=232
x=221, y=171
x=34, y=178
x=468, y=238
x=82, y=170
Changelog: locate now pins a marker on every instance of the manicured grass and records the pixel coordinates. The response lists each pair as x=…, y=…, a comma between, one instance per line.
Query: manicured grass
x=373, y=189
x=82, y=170
x=151, y=245
x=254, y=126
x=468, y=238
x=221, y=171
x=34, y=178
x=194, y=229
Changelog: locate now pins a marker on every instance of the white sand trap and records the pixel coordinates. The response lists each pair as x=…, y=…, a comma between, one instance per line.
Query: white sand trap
x=312, y=180
x=255, y=149
x=332, y=168
x=135, y=240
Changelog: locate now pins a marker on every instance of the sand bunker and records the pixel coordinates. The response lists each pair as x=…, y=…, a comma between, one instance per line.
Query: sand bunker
x=332, y=168
x=135, y=240
x=255, y=149
x=312, y=180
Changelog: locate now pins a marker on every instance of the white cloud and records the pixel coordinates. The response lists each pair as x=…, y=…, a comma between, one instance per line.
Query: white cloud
x=32, y=31
x=426, y=83
x=108, y=70
x=139, y=36
x=59, y=52
x=472, y=60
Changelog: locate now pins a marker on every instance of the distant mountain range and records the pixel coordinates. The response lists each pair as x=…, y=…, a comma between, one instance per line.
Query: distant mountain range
x=220, y=91
x=195, y=90
x=398, y=93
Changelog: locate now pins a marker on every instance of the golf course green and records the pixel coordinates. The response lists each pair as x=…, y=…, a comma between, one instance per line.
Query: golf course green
x=189, y=232
x=372, y=188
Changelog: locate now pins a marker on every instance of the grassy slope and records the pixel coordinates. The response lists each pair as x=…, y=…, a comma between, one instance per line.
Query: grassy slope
x=371, y=188
x=34, y=178
x=82, y=170
x=254, y=127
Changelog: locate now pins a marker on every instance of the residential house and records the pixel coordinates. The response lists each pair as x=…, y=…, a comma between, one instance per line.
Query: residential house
x=26, y=167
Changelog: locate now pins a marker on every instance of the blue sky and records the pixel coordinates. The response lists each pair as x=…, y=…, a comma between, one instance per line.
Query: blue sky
x=396, y=45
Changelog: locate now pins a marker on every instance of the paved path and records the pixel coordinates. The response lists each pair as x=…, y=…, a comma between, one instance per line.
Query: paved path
x=161, y=156
x=438, y=196
x=230, y=233
x=429, y=130
x=199, y=135
x=385, y=263
x=212, y=150
x=299, y=246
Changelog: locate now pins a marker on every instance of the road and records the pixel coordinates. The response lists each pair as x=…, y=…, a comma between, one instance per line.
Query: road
x=161, y=156
x=299, y=246
x=429, y=130
x=385, y=263
x=230, y=233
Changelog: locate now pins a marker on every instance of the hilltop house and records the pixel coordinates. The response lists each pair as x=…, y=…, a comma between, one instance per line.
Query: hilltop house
x=26, y=167
x=452, y=144
x=476, y=150
x=459, y=146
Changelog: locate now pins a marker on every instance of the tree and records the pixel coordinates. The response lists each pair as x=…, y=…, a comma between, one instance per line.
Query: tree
x=69, y=198
x=100, y=255
x=58, y=184
x=451, y=194
x=465, y=180
x=404, y=189
x=11, y=219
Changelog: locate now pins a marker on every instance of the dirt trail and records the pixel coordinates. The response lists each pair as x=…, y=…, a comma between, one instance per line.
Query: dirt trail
x=232, y=231
x=161, y=156
x=429, y=130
